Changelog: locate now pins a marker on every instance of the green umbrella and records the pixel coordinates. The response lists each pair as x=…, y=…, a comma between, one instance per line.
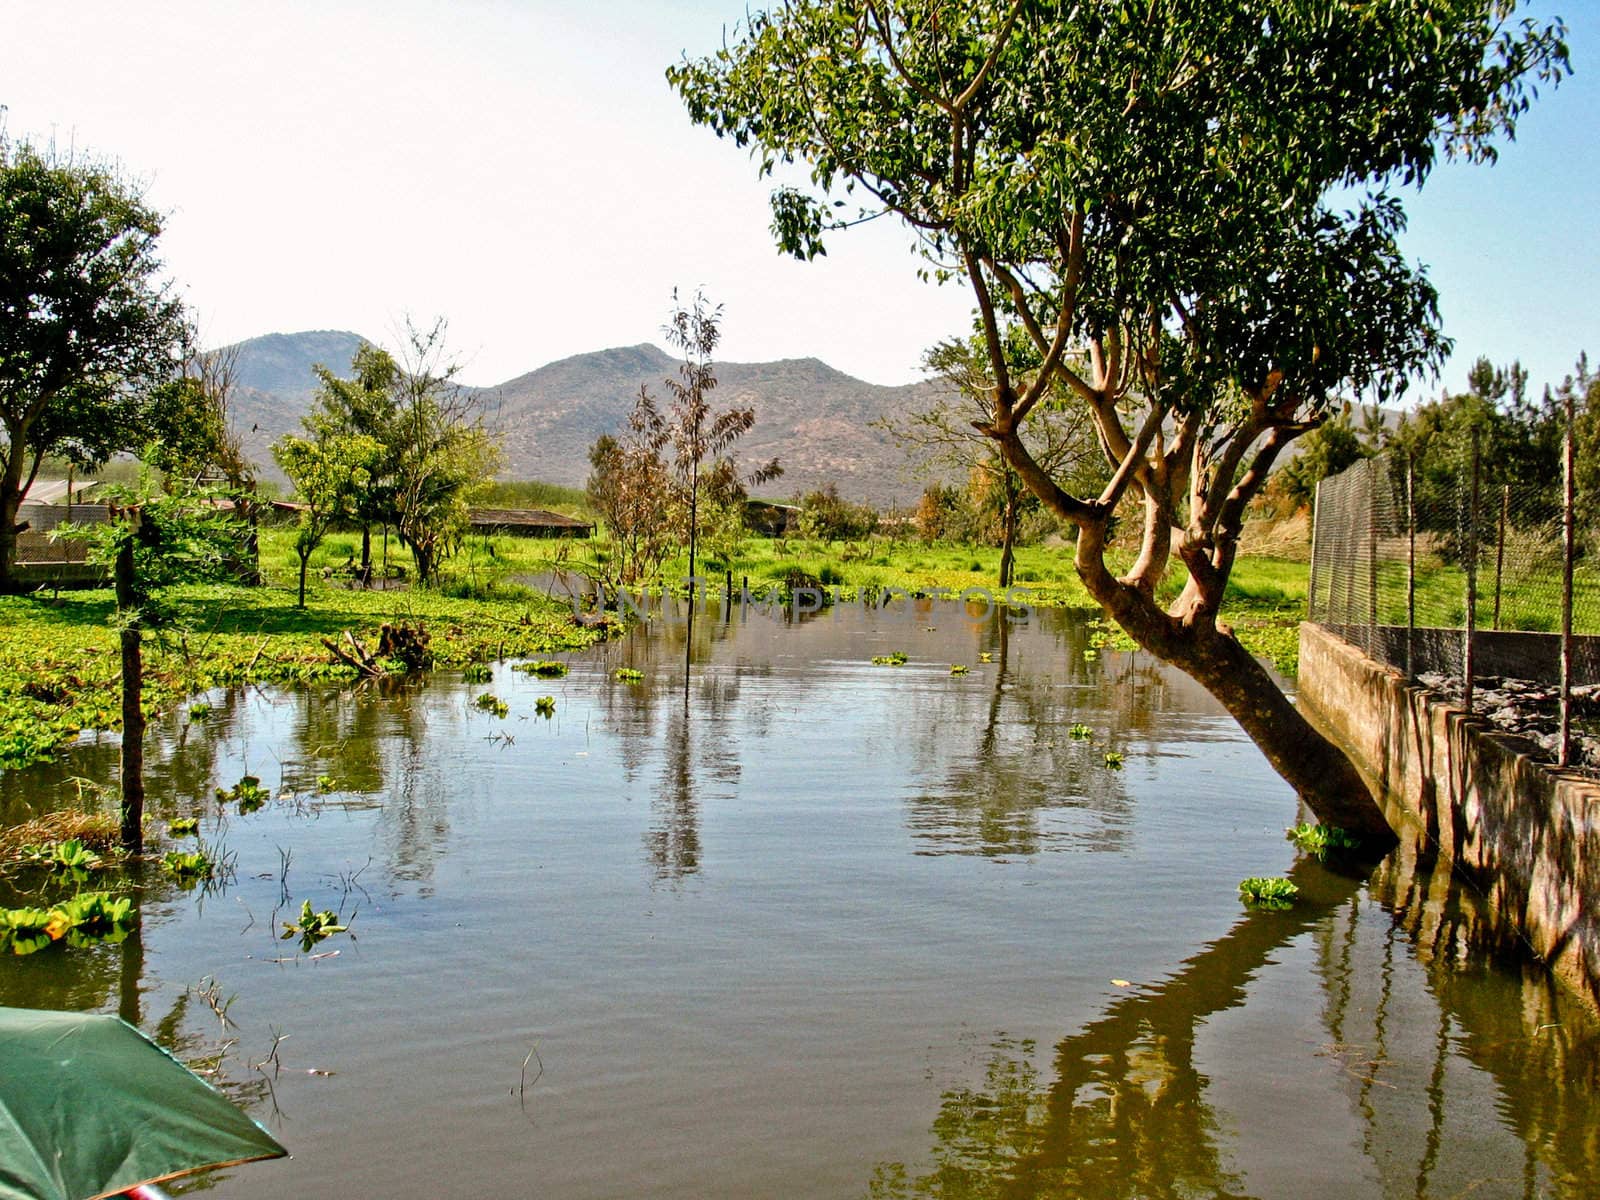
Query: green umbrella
x=90, y=1107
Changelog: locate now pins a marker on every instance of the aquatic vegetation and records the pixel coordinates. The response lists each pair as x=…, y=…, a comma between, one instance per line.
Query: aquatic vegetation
x=85, y=919
x=183, y=827
x=94, y=829
x=326, y=784
x=1080, y=733
x=1275, y=894
x=188, y=864
x=69, y=855
x=959, y=668
x=1322, y=840
x=895, y=658
x=545, y=669
x=985, y=657
x=477, y=673
x=545, y=706
x=629, y=675
x=1090, y=655
x=490, y=703
x=199, y=712
x=247, y=793
x=312, y=927
x=1113, y=760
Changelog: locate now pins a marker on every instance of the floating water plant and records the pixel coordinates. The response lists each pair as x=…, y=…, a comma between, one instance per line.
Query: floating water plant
x=326, y=784
x=247, y=793
x=547, y=669
x=1322, y=840
x=1113, y=760
x=87, y=918
x=959, y=668
x=69, y=855
x=188, y=864
x=1275, y=894
x=1090, y=655
x=545, y=706
x=985, y=657
x=629, y=675
x=183, y=827
x=478, y=673
x=1081, y=733
x=490, y=703
x=895, y=658
x=199, y=712
x=312, y=927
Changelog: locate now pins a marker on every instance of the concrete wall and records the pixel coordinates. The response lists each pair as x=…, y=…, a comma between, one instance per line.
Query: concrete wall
x=1526, y=835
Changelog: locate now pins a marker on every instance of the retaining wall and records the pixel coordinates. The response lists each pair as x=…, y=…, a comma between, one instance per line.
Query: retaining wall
x=1525, y=834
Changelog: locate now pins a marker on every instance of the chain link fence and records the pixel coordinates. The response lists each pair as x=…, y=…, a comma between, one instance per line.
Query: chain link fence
x=1487, y=594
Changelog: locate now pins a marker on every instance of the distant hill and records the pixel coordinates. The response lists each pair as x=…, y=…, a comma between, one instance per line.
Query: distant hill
x=812, y=417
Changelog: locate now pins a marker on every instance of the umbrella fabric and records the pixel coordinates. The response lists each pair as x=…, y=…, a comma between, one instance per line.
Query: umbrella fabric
x=90, y=1107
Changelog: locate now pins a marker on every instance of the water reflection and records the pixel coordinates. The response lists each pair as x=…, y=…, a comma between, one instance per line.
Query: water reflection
x=1142, y=1104
x=763, y=925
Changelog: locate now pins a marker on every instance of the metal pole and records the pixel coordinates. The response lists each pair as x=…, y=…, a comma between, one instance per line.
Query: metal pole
x=1467, y=657
x=1371, y=470
x=1411, y=566
x=1568, y=540
x=1500, y=549
x=1316, y=525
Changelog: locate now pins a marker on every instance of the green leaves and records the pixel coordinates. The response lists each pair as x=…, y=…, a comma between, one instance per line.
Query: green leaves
x=84, y=920
x=312, y=927
x=1273, y=894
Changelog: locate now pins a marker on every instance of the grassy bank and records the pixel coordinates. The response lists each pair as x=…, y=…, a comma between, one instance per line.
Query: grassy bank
x=59, y=665
x=59, y=668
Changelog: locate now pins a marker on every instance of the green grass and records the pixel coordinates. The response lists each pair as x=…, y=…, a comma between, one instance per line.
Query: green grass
x=59, y=667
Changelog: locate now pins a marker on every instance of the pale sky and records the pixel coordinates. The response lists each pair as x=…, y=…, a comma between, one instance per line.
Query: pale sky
x=521, y=168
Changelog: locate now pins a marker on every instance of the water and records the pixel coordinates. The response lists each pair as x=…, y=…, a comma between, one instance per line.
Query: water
x=837, y=930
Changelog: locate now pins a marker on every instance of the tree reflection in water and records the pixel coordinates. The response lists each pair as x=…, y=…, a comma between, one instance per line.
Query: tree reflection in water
x=1130, y=1114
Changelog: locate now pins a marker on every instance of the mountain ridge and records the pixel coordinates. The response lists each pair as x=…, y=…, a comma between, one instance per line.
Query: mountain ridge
x=812, y=416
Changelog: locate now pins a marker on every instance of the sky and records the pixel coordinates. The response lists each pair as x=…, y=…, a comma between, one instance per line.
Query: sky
x=521, y=168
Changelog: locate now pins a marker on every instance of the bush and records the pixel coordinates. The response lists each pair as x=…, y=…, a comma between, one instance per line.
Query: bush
x=827, y=516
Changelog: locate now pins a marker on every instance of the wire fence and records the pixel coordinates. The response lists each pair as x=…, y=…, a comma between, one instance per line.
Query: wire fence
x=1488, y=593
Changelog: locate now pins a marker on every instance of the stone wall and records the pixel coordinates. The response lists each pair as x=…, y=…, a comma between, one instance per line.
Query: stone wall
x=1524, y=834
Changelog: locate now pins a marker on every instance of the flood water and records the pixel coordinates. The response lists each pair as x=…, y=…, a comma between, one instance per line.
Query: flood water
x=831, y=929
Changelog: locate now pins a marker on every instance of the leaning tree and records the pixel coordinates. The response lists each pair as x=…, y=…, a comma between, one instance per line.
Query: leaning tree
x=87, y=323
x=1190, y=205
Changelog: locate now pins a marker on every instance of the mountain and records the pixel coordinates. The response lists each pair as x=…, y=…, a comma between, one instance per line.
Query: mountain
x=813, y=418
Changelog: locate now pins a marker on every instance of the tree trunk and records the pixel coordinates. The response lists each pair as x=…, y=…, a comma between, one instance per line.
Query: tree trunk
x=1008, y=540
x=305, y=557
x=1318, y=770
x=366, y=555
x=132, y=706
x=10, y=503
x=1314, y=766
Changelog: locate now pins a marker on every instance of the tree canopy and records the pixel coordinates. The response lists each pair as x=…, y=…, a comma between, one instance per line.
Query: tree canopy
x=87, y=323
x=1191, y=207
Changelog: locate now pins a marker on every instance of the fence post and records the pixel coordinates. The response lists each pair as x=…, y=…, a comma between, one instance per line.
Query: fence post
x=1500, y=549
x=1568, y=539
x=1467, y=656
x=1411, y=566
x=1316, y=526
x=1370, y=468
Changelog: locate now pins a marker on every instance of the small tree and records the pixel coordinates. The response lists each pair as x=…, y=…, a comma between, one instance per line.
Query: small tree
x=328, y=472
x=700, y=436
x=441, y=451
x=630, y=487
x=828, y=516
x=366, y=404
x=87, y=325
